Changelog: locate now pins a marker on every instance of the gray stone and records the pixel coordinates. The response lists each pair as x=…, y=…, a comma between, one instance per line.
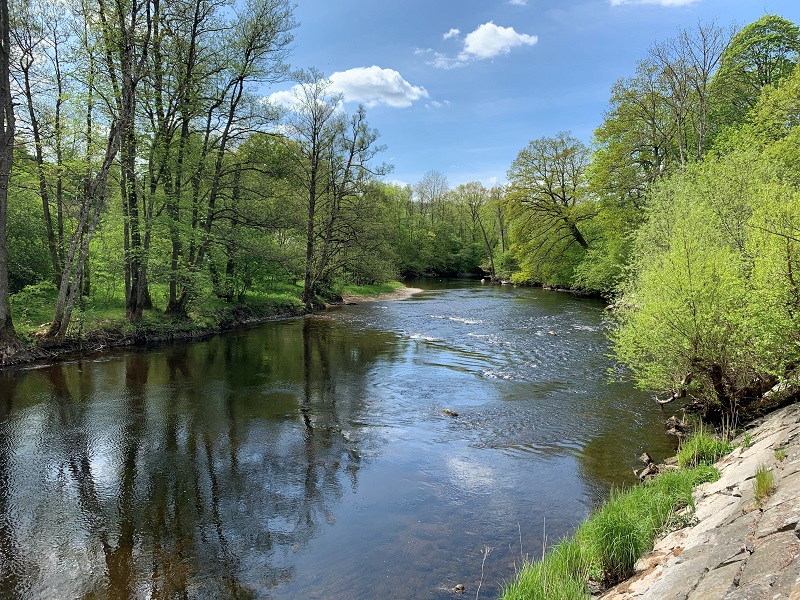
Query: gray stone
x=754, y=591
x=772, y=555
x=716, y=583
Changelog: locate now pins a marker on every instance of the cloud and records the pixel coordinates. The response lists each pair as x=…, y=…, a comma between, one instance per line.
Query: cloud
x=434, y=104
x=519, y=2
x=490, y=40
x=656, y=2
x=370, y=85
x=451, y=34
x=374, y=85
x=487, y=41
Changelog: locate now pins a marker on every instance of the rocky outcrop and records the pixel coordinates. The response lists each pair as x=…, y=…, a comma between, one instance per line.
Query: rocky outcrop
x=737, y=549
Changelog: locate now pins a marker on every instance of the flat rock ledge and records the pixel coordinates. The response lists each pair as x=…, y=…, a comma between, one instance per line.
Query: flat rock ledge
x=736, y=550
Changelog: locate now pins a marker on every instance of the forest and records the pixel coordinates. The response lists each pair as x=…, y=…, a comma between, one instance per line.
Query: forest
x=146, y=184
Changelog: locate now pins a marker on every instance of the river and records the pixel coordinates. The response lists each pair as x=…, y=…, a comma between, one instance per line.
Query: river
x=310, y=458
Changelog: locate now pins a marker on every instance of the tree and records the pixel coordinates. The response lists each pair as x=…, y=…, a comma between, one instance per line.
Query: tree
x=549, y=202
x=7, y=123
x=762, y=53
x=686, y=64
x=332, y=154
x=634, y=144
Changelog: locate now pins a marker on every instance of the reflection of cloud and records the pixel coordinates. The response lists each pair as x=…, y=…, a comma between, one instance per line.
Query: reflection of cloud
x=469, y=474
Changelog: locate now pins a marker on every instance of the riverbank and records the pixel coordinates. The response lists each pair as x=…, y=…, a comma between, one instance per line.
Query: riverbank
x=741, y=547
x=738, y=535
x=99, y=335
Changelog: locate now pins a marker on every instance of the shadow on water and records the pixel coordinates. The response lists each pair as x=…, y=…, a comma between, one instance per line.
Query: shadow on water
x=190, y=471
x=310, y=458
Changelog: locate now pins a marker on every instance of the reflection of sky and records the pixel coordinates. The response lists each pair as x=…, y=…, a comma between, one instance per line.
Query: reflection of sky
x=403, y=497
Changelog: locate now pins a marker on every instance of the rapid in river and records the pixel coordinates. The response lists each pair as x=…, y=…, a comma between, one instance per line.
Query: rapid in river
x=310, y=457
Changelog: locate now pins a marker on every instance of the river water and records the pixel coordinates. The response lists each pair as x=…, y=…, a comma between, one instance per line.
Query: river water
x=309, y=458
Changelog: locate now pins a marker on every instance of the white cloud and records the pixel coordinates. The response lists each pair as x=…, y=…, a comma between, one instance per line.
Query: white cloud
x=286, y=98
x=451, y=34
x=518, y=2
x=487, y=41
x=657, y=2
x=434, y=104
x=370, y=85
x=374, y=85
x=490, y=40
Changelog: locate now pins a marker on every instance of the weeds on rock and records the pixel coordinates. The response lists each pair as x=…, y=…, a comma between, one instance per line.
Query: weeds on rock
x=763, y=484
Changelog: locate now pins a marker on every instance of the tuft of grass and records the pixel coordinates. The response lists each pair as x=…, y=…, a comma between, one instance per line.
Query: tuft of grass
x=702, y=449
x=763, y=484
x=780, y=453
x=607, y=545
x=747, y=439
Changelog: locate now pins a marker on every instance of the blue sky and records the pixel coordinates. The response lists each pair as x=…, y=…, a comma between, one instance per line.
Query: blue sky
x=461, y=86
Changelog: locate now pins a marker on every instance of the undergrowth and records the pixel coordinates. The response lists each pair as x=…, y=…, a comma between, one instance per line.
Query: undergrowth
x=703, y=448
x=606, y=546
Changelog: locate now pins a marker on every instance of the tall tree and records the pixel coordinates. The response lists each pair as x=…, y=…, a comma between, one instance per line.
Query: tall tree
x=762, y=53
x=332, y=154
x=7, y=123
x=548, y=197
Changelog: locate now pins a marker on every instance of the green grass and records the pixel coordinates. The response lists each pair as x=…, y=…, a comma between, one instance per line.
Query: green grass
x=780, y=454
x=104, y=315
x=702, y=449
x=608, y=544
x=371, y=290
x=763, y=484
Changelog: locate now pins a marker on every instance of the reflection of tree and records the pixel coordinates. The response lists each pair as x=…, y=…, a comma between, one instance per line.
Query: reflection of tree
x=13, y=566
x=194, y=472
x=606, y=461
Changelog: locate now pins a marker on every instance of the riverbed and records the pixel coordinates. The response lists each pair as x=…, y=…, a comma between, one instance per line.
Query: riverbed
x=310, y=457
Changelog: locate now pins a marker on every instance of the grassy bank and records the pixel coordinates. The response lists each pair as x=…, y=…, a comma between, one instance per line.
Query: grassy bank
x=605, y=547
x=370, y=291
x=99, y=322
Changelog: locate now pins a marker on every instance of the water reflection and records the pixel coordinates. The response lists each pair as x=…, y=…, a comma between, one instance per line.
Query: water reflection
x=193, y=471
x=309, y=457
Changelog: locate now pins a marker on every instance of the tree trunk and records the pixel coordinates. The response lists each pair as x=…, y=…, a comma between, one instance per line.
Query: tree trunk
x=7, y=130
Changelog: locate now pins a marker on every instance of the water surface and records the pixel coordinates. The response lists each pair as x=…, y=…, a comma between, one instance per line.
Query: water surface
x=309, y=458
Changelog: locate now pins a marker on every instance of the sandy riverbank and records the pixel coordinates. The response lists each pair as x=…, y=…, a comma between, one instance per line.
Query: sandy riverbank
x=399, y=294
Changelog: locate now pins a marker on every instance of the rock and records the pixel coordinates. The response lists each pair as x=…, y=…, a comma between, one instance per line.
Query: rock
x=449, y=413
x=459, y=589
x=551, y=333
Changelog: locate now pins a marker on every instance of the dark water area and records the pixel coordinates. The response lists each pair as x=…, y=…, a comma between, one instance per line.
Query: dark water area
x=309, y=458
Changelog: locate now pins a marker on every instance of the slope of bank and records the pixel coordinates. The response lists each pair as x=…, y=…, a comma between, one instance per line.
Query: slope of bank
x=737, y=549
x=157, y=327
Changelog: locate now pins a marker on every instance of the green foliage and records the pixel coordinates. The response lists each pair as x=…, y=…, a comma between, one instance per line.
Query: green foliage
x=763, y=53
x=701, y=449
x=549, y=208
x=32, y=306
